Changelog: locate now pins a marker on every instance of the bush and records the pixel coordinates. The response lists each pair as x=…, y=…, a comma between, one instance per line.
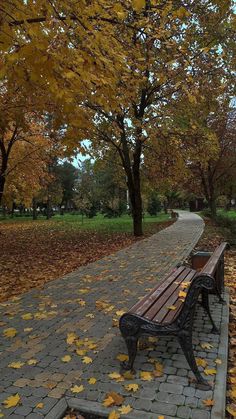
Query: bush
x=154, y=204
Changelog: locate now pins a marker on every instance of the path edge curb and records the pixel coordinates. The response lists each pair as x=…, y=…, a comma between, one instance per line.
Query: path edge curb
x=219, y=395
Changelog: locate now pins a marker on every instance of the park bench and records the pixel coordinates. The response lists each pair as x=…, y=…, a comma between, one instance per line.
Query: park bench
x=169, y=309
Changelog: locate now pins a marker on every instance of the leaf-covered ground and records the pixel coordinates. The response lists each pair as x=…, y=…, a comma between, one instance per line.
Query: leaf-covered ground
x=33, y=253
x=213, y=236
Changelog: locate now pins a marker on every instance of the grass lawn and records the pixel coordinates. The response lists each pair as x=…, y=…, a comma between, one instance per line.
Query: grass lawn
x=35, y=252
x=229, y=214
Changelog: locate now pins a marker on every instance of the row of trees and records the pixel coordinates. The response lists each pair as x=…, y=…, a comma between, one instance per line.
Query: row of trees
x=147, y=80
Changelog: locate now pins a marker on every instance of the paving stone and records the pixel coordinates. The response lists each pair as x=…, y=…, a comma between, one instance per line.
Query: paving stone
x=200, y=414
x=164, y=408
x=171, y=388
x=191, y=401
x=184, y=412
x=170, y=398
x=23, y=411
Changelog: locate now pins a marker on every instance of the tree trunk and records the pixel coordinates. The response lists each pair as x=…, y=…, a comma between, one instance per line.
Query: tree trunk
x=2, y=184
x=48, y=210
x=34, y=204
x=212, y=205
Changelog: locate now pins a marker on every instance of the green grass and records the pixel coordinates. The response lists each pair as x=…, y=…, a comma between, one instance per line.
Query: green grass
x=228, y=214
x=98, y=223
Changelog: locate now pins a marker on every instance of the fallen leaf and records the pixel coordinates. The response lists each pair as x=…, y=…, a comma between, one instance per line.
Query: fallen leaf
x=87, y=360
x=120, y=312
x=218, y=361
x=122, y=357
x=77, y=389
x=201, y=362
x=11, y=401
x=66, y=358
x=171, y=308
x=210, y=371
x=208, y=402
x=39, y=405
x=114, y=415
x=108, y=401
x=206, y=345
x=27, y=316
x=28, y=329
x=125, y=409
x=81, y=352
x=16, y=365
x=182, y=294
x=146, y=376
x=113, y=398
x=70, y=338
x=10, y=333
x=158, y=372
x=92, y=380
x=132, y=387
x=32, y=362
x=114, y=375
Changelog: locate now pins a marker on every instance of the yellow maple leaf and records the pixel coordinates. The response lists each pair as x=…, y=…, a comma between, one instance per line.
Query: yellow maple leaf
x=92, y=380
x=10, y=333
x=171, y=308
x=81, y=352
x=132, y=387
x=218, y=361
x=161, y=417
x=210, y=371
x=233, y=393
x=122, y=357
x=120, y=312
x=28, y=329
x=70, y=338
x=125, y=409
x=16, y=364
x=158, y=372
x=208, y=402
x=11, y=401
x=201, y=362
x=206, y=345
x=182, y=294
x=39, y=405
x=66, y=358
x=32, y=362
x=115, y=375
x=87, y=360
x=146, y=376
x=77, y=389
x=114, y=415
x=108, y=401
x=27, y=316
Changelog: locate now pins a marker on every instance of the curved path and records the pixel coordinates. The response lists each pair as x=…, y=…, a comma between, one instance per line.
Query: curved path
x=87, y=302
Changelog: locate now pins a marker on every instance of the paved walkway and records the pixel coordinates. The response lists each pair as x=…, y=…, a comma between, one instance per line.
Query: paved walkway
x=87, y=303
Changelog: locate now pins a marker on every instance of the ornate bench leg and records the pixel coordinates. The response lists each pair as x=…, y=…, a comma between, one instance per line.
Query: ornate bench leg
x=185, y=340
x=131, y=343
x=205, y=304
x=130, y=327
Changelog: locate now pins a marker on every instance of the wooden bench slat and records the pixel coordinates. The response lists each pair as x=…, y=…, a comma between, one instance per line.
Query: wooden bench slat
x=161, y=302
x=166, y=315
x=141, y=306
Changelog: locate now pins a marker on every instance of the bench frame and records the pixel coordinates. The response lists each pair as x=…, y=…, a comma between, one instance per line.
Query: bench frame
x=209, y=279
x=132, y=327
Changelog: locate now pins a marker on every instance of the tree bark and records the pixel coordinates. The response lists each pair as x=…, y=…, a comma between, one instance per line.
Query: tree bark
x=34, y=204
